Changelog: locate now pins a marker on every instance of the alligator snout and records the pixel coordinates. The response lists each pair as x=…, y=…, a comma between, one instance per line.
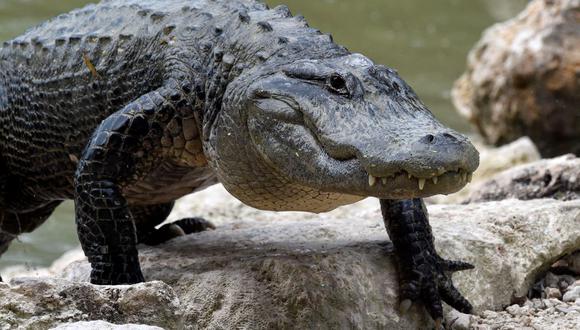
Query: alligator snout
x=426, y=157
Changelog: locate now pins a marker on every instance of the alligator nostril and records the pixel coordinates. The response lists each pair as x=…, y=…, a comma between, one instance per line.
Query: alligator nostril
x=449, y=136
x=429, y=138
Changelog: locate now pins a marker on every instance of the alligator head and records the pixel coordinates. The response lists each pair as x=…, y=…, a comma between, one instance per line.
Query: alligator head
x=316, y=134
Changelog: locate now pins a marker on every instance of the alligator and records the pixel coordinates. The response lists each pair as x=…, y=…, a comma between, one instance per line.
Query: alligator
x=126, y=105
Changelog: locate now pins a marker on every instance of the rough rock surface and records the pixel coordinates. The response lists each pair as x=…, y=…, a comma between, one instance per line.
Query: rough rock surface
x=523, y=79
x=557, y=178
x=102, y=325
x=295, y=270
x=43, y=302
x=545, y=314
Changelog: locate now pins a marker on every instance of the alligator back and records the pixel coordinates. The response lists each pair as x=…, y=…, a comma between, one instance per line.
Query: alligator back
x=62, y=78
x=132, y=17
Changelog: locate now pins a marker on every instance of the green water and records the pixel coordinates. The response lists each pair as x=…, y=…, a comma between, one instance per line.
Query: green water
x=426, y=41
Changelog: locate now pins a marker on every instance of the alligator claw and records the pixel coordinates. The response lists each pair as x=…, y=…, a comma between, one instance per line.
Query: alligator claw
x=429, y=283
x=438, y=323
x=453, y=297
x=194, y=225
x=178, y=228
x=455, y=266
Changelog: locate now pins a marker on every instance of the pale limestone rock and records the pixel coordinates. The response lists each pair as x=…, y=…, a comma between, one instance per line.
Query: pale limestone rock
x=42, y=302
x=102, y=325
x=572, y=295
x=553, y=293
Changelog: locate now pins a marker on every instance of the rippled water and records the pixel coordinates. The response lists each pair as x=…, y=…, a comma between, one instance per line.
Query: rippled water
x=426, y=41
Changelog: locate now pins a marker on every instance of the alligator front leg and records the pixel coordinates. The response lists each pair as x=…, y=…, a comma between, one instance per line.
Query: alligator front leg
x=104, y=222
x=119, y=145
x=424, y=274
x=107, y=232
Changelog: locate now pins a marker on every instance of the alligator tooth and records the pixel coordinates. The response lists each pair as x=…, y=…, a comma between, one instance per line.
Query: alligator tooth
x=463, y=176
x=421, y=184
x=384, y=180
x=372, y=180
x=435, y=179
x=409, y=175
x=469, y=177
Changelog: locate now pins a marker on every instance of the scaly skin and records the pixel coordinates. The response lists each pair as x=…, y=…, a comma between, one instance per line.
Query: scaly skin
x=126, y=106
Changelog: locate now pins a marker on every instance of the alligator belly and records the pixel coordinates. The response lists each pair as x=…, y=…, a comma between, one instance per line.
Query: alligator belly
x=167, y=183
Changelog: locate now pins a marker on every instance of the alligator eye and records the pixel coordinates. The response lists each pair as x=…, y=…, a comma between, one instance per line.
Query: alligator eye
x=337, y=84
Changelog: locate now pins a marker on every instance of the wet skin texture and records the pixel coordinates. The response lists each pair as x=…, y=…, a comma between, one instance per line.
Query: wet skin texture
x=126, y=106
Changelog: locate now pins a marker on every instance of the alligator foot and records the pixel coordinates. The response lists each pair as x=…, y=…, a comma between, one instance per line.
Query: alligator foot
x=178, y=228
x=424, y=275
x=194, y=225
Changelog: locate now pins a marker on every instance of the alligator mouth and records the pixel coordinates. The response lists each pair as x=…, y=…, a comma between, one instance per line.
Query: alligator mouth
x=347, y=175
x=463, y=176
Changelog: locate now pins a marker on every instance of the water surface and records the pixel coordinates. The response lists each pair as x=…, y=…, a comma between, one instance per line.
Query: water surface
x=426, y=41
